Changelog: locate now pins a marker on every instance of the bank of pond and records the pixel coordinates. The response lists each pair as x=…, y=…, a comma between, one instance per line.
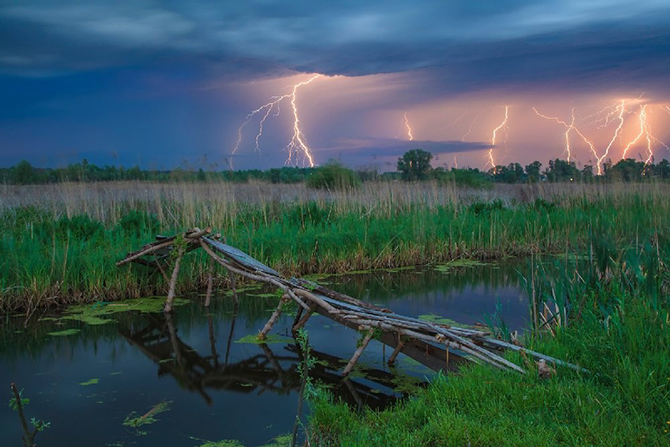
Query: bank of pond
x=200, y=377
x=211, y=379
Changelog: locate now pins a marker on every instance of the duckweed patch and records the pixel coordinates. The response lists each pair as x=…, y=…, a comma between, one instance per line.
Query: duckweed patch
x=400, y=269
x=271, y=338
x=405, y=384
x=64, y=333
x=458, y=263
x=94, y=314
x=280, y=441
x=224, y=443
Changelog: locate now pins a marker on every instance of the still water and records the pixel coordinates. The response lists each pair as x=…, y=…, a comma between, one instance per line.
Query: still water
x=144, y=379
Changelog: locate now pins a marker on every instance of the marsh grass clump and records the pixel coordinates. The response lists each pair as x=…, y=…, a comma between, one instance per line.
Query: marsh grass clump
x=59, y=244
x=618, y=327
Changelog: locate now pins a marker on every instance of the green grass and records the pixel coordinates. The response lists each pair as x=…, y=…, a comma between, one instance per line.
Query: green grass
x=614, y=293
x=619, y=330
x=55, y=252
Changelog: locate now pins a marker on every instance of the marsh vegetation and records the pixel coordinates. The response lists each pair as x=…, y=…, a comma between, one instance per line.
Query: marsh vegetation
x=605, y=304
x=59, y=244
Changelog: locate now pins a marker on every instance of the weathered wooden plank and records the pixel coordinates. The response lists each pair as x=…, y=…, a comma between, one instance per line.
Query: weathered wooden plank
x=240, y=257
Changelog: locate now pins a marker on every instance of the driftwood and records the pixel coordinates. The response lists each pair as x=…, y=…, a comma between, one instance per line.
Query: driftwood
x=210, y=283
x=357, y=354
x=437, y=346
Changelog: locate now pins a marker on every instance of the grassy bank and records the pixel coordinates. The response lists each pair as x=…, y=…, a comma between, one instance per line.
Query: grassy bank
x=59, y=244
x=618, y=327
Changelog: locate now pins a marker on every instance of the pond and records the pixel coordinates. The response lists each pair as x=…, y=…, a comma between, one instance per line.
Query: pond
x=110, y=376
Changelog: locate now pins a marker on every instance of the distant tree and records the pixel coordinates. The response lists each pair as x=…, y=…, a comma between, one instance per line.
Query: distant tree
x=473, y=178
x=415, y=165
x=533, y=171
x=626, y=170
x=561, y=171
x=24, y=173
x=587, y=173
x=84, y=168
x=662, y=169
x=512, y=173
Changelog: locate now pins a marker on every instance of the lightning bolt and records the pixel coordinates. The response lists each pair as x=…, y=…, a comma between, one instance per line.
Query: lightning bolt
x=453, y=123
x=493, y=139
x=568, y=127
x=409, y=129
x=470, y=128
x=297, y=142
x=645, y=130
x=621, y=108
x=248, y=118
x=618, y=110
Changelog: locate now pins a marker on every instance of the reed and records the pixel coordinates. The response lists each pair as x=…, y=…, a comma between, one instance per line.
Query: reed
x=59, y=243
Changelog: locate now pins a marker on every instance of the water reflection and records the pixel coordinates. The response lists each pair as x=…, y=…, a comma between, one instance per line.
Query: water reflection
x=270, y=369
x=217, y=387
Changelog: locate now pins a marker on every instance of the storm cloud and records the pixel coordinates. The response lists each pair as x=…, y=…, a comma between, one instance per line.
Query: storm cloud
x=472, y=44
x=150, y=77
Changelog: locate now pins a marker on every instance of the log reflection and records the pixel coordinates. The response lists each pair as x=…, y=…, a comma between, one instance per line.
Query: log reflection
x=270, y=368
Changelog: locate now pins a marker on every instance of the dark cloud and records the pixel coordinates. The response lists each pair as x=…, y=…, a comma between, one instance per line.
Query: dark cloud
x=385, y=151
x=372, y=146
x=470, y=45
x=157, y=80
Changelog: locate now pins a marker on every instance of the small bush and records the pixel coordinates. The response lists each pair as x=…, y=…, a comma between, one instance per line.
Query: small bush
x=331, y=176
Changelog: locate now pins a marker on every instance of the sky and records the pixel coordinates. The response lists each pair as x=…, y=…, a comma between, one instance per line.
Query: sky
x=166, y=84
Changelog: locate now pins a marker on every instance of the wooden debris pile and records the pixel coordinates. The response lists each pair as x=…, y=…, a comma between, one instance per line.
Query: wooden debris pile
x=435, y=345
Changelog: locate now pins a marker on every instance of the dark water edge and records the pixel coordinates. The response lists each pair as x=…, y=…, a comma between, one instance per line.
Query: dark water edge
x=186, y=380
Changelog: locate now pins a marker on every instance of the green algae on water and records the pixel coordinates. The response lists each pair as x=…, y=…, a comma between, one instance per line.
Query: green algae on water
x=93, y=314
x=90, y=382
x=406, y=384
x=399, y=269
x=280, y=441
x=223, y=443
x=271, y=338
x=445, y=268
x=64, y=333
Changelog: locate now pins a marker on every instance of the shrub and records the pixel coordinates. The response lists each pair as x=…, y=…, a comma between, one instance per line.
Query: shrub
x=331, y=176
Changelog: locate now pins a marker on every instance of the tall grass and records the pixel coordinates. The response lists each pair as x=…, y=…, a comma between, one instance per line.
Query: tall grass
x=59, y=243
x=619, y=329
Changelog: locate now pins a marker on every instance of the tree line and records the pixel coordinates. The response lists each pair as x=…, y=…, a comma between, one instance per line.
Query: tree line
x=414, y=165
